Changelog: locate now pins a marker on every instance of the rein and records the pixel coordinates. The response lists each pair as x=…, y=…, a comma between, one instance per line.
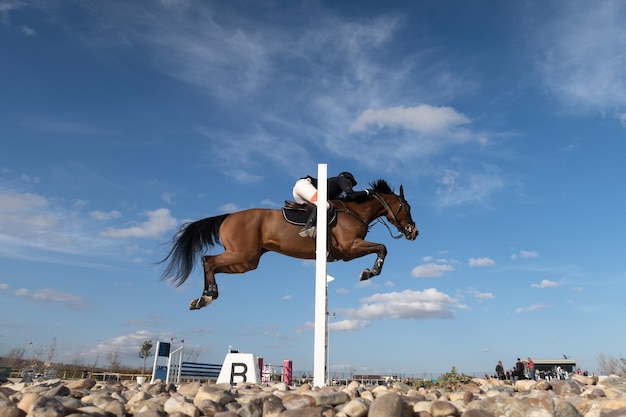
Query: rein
x=392, y=214
x=378, y=219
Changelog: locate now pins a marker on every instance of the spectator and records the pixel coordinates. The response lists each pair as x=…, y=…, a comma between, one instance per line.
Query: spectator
x=531, y=369
x=500, y=371
x=519, y=369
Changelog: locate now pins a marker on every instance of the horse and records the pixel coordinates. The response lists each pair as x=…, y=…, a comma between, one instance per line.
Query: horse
x=248, y=234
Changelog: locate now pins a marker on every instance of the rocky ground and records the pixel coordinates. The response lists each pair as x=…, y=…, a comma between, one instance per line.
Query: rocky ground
x=577, y=397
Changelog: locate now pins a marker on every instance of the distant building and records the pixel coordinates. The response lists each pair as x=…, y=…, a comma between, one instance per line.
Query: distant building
x=550, y=365
x=374, y=379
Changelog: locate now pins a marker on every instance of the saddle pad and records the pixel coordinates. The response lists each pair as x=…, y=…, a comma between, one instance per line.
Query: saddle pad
x=299, y=216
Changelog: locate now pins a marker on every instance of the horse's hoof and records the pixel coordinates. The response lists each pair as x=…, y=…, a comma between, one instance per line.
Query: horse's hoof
x=365, y=275
x=198, y=303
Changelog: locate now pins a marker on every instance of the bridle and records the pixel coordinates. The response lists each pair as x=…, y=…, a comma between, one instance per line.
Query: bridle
x=404, y=230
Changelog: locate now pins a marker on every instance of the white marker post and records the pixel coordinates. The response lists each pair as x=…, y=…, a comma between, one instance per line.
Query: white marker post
x=319, y=345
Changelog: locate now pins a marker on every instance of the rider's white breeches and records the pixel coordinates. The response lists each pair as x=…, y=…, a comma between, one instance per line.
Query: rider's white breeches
x=304, y=192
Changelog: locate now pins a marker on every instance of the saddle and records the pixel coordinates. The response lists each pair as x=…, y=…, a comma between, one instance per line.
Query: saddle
x=296, y=213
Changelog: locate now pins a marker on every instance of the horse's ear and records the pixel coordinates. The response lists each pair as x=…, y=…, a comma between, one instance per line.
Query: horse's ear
x=401, y=191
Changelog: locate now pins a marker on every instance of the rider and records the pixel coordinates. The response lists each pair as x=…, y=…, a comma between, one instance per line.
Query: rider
x=339, y=187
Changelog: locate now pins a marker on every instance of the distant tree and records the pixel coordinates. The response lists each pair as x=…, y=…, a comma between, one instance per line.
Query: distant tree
x=114, y=360
x=610, y=365
x=36, y=355
x=77, y=360
x=192, y=355
x=453, y=380
x=145, y=351
x=52, y=350
x=15, y=357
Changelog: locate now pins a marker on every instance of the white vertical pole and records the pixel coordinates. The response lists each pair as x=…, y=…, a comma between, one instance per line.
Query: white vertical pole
x=319, y=354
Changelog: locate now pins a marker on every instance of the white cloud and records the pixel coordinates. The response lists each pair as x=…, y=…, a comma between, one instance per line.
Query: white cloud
x=481, y=295
x=159, y=221
x=228, y=208
x=456, y=188
x=348, y=325
x=481, y=262
x=545, y=284
x=167, y=197
x=25, y=30
x=525, y=254
x=431, y=270
x=533, y=307
x=270, y=203
x=423, y=118
x=48, y=295
x=408, y=304
x=582, y=65
x=14, y=202
x=105, y=215
x=128, y=343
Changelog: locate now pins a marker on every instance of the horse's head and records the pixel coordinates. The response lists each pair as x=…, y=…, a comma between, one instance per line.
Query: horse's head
x=403, y=220
x=398, y=209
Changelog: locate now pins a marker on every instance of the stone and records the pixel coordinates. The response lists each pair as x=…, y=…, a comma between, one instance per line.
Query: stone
x=577, y=397
x=189, y=389
x=81, y=384
x=565, y=387
x=328, y=397
x=273, y=406
x=11, y=410
x=219, y=396
x=357, y=407
x=116, y=408
x=46, y=407
x=178, y=403
x=476, y=413
x=388, y=405
x=295, y=402
x=565, y=409
x=443, y=409
x=92, y=410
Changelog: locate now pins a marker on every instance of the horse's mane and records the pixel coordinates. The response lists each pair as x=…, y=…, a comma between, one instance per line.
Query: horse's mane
x=381, y=187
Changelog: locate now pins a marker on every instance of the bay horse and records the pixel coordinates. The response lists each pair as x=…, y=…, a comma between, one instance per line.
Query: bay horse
x=246, y=235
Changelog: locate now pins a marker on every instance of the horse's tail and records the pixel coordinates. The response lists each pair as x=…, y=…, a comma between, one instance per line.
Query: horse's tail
x=191, y=239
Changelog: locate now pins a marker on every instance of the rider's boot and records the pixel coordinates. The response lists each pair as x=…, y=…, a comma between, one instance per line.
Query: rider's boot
x=309, y=228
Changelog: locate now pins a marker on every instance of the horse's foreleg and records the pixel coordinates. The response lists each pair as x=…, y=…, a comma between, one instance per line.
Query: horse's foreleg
x=210, y=292
x=378, y=265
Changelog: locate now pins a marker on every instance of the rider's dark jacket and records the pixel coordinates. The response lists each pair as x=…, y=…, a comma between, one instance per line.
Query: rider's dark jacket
x=339, y=188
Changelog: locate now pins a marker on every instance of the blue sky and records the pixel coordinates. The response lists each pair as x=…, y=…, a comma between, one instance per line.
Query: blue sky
x=504, y=121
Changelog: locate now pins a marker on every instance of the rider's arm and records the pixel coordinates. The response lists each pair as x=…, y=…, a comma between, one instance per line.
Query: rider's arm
x=348, y=193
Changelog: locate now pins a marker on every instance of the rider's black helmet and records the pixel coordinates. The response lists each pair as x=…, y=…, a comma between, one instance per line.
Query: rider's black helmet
x=349, y=177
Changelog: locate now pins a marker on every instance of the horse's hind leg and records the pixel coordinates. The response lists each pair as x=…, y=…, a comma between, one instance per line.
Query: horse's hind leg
x=210, y=292
x=227, y=262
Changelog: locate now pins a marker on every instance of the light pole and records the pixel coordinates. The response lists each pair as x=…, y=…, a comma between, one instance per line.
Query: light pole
x=328, y=279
